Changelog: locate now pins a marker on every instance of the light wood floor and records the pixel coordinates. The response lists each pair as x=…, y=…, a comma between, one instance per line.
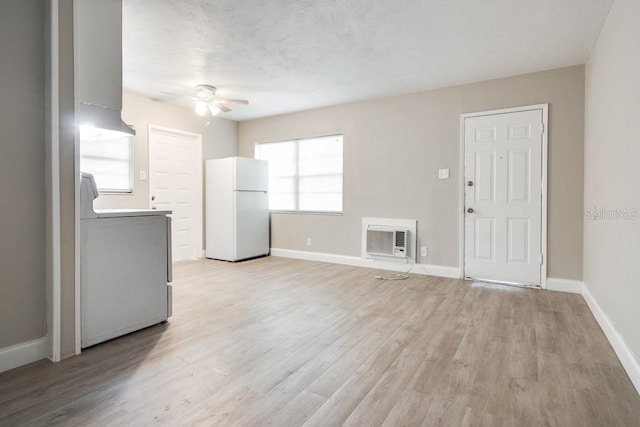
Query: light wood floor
x=285, y=342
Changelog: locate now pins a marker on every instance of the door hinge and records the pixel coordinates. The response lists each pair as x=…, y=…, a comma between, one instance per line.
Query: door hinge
x=541, y=259
x=542, y=128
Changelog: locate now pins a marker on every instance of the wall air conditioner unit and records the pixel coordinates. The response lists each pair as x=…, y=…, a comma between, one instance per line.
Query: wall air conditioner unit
x=387, y=241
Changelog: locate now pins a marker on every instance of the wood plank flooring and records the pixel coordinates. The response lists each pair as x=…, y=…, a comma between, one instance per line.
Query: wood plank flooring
x=281, y=342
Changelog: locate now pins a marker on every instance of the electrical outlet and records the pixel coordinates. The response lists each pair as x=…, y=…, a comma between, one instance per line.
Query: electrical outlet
x=443, y=173
x=308, y=241
x=423, y=251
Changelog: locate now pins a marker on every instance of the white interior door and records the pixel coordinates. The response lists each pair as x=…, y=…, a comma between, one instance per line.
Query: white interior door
x=175, y=183
x=503, y=168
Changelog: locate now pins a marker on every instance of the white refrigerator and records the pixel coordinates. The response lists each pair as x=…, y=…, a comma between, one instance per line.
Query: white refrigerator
x=237, y=208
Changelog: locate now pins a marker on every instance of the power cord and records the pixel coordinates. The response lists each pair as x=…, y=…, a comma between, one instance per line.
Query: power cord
x=396, y=276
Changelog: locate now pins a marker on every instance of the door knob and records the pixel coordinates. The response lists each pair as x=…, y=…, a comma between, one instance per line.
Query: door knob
x=470, y=183
x=470, y=210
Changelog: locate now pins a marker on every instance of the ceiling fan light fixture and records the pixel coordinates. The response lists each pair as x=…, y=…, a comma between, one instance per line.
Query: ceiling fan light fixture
x=207, y=103
x=213, y=108
x=201, y=108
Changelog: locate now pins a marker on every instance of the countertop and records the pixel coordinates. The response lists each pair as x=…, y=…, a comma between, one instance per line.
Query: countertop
x=118, y=213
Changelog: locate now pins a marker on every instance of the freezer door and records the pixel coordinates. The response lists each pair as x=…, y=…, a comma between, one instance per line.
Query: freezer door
x=251, y=174
x=252, y=224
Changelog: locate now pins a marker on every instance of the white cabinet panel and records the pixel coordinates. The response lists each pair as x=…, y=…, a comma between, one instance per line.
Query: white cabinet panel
x=123, y=275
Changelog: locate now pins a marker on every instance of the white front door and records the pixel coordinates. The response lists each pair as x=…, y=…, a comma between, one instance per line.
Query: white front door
x=175, y=183
x=503, y=197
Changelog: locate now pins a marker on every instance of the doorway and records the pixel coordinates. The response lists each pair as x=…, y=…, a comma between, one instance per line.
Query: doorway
x=175, y=183
x=504, y=164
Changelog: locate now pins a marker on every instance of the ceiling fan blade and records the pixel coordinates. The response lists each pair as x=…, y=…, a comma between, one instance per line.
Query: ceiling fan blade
x=231, y=101
x=223, y=108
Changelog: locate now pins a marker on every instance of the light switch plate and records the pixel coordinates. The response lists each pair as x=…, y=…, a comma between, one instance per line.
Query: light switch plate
x=143, y=175
x=443, y=173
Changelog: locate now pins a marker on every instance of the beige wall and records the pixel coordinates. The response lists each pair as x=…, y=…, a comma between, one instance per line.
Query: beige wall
x=22, y=164
x=612, y=159
x=394, y=147
x=219, y=139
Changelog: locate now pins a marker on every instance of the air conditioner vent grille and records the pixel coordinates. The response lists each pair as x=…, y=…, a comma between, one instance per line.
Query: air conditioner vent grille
x=387, y=241
x=380, y=242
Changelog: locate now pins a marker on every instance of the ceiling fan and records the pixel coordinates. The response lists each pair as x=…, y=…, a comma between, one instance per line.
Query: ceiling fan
x=207, y=102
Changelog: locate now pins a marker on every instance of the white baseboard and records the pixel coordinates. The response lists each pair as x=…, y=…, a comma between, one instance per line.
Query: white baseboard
x=564, y=285
x=426, y=269
x=23, y=354
x=628, y=360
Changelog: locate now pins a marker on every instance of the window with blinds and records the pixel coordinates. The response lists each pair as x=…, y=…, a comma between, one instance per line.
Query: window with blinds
x=108, y=156
x=304, y=174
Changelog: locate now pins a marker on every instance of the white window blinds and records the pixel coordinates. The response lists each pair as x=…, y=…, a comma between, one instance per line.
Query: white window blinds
x=107, y=155
x=304, y=174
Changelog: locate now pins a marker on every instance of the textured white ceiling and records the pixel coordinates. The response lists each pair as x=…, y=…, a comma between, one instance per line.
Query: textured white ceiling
x=292, y=55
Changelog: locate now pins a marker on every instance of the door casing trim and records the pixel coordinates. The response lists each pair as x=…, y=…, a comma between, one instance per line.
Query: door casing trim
x=544, y=194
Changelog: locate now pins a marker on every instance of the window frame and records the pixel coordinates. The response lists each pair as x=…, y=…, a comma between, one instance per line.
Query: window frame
x=297, y=176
